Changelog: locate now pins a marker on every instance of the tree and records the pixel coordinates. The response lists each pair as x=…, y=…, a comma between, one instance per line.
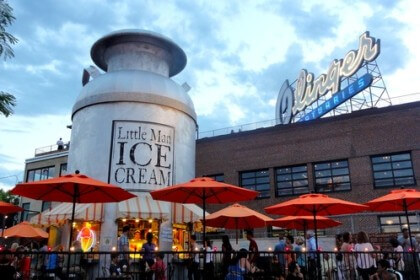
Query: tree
x=7, y=101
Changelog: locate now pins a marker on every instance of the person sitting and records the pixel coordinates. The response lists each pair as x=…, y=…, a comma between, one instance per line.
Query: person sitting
x=7, y=271
x=159, y=267
x=328, y=266
x=114, y=268
x=384, y=272
x=294, y=272
x=240, y=266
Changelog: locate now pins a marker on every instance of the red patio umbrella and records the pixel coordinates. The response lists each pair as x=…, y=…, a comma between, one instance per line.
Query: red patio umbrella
x=304, y=223
x=25, y=230
x=315, y=204
x=75, y=188
x=395, y=201
x=237, y=216
x=203, y=190
x=6, y=208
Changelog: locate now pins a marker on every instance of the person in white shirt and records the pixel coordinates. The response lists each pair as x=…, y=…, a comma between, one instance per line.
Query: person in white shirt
x=60, y=144
x=366, y=264
x=209, y=265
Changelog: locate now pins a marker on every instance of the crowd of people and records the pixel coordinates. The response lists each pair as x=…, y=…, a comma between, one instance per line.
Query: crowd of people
x=354, y=257
x=293, y=258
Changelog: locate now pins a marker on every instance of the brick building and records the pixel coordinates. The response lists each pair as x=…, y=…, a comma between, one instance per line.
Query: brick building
x=357, y=157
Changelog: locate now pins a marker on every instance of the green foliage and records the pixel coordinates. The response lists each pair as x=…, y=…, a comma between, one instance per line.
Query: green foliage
x=7, y=196
x=7, y=101
x=6, y=39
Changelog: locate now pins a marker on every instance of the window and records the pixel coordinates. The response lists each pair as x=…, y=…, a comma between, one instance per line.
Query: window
x=45, y=205
x=257, y=181
x=217, y=177
x=393, y=170
x=40, y=174
x=292, y=180
x=332, y=176
x=25, y=213
x=397, y=223
x=63, y=169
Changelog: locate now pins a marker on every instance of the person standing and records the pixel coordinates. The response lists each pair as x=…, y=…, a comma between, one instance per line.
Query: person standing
x=60, y=144
x=312, y=257
x=227, y=251
x=366, y=264
x=123, y=246
x=279, y=250
x=409, y=261
x=193, y=272
x=348, y=263
x=300, y=256
x=209, y=264
x=253, y=247
x=149, y=249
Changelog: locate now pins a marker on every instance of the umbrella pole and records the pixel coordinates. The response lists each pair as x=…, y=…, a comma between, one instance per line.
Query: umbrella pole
x=318, y=259
x=4, y=223
x=75, y=194
x=236, y=228
x=416, y=268
x=408, y=223
x=72, y=216
x=204, y=232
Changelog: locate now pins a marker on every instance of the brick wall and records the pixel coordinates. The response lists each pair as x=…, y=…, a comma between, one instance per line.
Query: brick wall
x=355, y=137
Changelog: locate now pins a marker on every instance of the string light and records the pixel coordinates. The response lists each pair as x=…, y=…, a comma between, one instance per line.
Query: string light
x=124, y=220
x=137, y=220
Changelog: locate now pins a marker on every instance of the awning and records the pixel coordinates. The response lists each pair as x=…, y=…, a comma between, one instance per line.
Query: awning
x=186, y=213
x=143, y=207
x=62, y=212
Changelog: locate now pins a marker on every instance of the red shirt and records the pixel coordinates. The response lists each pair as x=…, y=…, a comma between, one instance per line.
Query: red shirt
x=160, y=270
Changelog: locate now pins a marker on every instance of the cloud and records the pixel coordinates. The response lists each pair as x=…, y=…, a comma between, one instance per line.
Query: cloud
x=39, y=131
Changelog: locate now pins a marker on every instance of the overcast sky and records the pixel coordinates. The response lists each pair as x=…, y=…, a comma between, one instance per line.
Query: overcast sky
x=239, y=53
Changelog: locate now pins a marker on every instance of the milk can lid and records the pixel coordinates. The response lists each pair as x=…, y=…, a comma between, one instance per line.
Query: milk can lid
x=178, y=57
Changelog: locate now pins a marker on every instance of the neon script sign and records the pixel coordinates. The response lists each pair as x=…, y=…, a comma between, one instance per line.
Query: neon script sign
x=308, y=90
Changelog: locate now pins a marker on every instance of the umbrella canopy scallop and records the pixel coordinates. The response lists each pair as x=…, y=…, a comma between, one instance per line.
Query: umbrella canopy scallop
x=304, y=222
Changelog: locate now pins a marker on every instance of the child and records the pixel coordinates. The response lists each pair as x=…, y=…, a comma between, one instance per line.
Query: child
x=159, y=267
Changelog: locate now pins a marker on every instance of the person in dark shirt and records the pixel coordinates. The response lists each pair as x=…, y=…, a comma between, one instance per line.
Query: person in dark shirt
x=253, y=247
x=149, y=249
x=7, y=271
x=294, y=272
x=114, y=269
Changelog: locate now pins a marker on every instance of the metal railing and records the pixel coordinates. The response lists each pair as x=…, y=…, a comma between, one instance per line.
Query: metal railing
x=191, y=265
x=51, y=148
